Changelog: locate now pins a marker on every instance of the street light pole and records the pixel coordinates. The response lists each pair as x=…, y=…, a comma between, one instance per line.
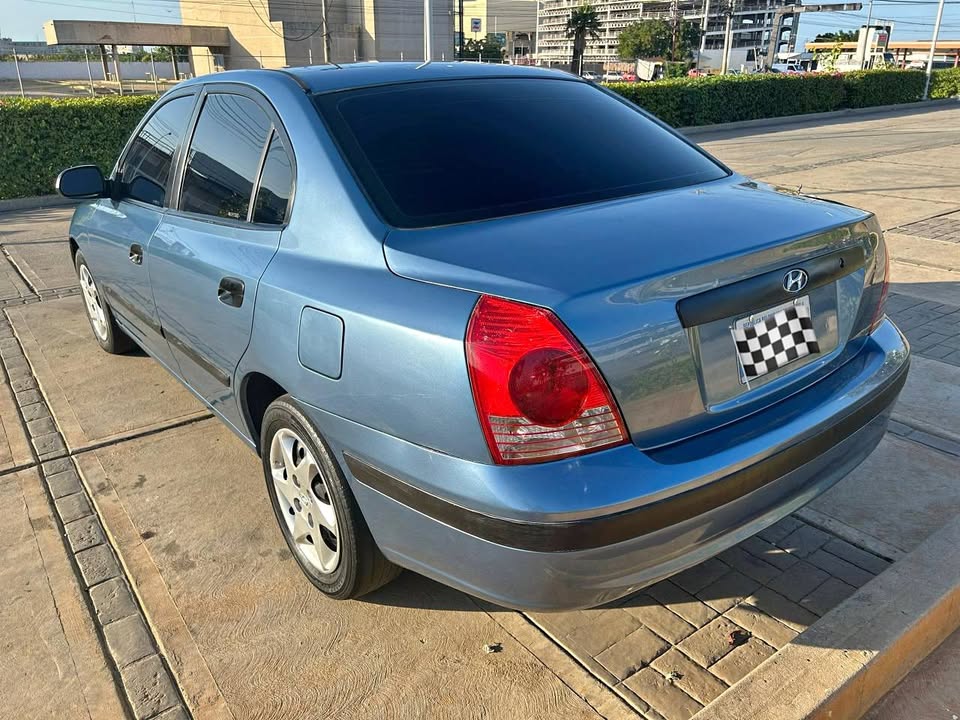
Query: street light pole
x=933, y=50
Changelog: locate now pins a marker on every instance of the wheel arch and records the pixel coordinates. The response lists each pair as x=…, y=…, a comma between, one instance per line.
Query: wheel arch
x=257, y=391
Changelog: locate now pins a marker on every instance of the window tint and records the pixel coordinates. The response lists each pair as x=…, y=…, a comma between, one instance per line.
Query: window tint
x=275, y=185
x=432, y=153
x=146, y=166
x=224, y=157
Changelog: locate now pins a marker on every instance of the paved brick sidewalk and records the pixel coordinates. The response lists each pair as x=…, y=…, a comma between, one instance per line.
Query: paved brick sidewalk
x=945, y=228
x=932, y=328
x=676, y=646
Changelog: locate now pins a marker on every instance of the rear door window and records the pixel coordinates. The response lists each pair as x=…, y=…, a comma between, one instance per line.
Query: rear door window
x=441, y=152
x=224, y=157
x=276, y=185
x=146, y=167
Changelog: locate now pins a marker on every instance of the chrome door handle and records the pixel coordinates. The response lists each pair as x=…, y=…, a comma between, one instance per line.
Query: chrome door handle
x=136, y=254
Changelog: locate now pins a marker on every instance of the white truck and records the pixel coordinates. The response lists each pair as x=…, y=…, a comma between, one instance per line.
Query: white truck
x=649, y=70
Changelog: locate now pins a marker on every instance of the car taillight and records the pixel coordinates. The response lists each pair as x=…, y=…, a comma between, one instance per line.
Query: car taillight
x=538, y=394
x=880, y=292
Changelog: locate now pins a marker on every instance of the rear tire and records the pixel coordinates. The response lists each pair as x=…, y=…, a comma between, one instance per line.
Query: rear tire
x=317, y=513
x=105, y=329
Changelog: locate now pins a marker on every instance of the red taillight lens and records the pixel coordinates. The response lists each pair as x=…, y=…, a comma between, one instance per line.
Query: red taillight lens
x=881, y=293
x=538, y=394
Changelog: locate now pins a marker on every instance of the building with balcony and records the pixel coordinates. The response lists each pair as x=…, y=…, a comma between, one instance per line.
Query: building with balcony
x=752, y=25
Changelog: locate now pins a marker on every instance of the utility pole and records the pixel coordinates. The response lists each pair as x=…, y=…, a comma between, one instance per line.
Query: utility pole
x=933, y=50
x=326, y=34
x=427, y=40
x=461, y=28
x=704, y=26
x=728, y=10
x=868, y=49
x=675, y=27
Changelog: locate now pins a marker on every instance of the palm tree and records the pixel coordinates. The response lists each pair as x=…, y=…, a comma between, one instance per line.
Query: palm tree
x=582, y=23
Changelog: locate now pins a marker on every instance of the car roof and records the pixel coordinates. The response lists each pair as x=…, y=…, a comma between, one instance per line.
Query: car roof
x=329, y=78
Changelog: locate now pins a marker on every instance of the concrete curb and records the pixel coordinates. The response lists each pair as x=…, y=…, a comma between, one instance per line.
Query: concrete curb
x=140, y=668
x=841, y=666
x=35, y=203
x=697, y=130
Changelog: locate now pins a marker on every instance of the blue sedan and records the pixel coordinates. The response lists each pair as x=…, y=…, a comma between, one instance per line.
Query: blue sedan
x=492, y=324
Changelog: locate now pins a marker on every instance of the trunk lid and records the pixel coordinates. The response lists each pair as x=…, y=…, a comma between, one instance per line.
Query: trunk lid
x=620, y=274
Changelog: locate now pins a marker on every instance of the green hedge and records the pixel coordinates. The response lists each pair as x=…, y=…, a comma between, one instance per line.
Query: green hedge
x=716, y=99
x=945, y=84
x=38, y=138
x=41, y=137
x=686, y=102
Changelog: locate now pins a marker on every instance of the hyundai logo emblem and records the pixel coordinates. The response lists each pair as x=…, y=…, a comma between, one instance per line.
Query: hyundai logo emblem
x=795, y=280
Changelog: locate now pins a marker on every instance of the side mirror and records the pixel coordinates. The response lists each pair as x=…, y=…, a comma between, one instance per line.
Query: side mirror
x=83, y=181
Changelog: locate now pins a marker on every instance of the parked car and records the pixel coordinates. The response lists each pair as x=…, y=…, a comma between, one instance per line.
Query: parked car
x=697, y=72
x=548, y=388
x=591, y=76
x=786, y=68
x=628, y=76
x=612, y=76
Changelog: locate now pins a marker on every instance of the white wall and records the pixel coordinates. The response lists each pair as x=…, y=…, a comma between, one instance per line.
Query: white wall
x=78, y=70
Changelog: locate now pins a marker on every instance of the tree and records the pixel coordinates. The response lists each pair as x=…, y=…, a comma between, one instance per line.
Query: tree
x=486, y=49
x=645, y=39
x=839, y=36
x=688, y=40
x=828, y=60
x=582, y=23
x=654, y=39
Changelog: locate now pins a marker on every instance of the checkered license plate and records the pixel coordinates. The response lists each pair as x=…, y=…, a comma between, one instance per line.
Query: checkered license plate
x=776, y=337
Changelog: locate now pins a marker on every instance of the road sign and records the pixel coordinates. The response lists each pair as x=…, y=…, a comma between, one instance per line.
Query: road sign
x=475, y=24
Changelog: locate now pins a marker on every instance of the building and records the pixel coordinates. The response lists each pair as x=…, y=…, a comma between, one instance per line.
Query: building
x=512, y=22
x=906, y=53
x=277, y=33
x=31, y=48
x=752, y=25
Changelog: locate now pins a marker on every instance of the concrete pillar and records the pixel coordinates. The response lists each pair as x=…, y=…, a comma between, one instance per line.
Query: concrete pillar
x=173, y=60
x=103, y=62
x=116, y=67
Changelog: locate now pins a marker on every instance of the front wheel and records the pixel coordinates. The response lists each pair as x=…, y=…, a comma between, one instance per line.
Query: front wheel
x=316, y=511
x=105, y=329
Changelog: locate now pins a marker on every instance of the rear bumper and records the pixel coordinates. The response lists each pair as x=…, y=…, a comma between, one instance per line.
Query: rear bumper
x=618, y=520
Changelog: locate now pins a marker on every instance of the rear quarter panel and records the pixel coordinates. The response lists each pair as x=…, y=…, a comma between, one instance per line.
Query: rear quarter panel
x=403, y=365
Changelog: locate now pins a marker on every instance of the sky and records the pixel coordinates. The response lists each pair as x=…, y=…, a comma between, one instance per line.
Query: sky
x=913, y=19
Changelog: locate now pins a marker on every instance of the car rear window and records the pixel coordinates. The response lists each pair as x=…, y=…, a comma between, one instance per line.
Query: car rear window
x=442, y=152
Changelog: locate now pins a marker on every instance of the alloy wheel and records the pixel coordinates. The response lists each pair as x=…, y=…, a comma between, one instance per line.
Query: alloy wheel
x=305, y=501
x=91, y=298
